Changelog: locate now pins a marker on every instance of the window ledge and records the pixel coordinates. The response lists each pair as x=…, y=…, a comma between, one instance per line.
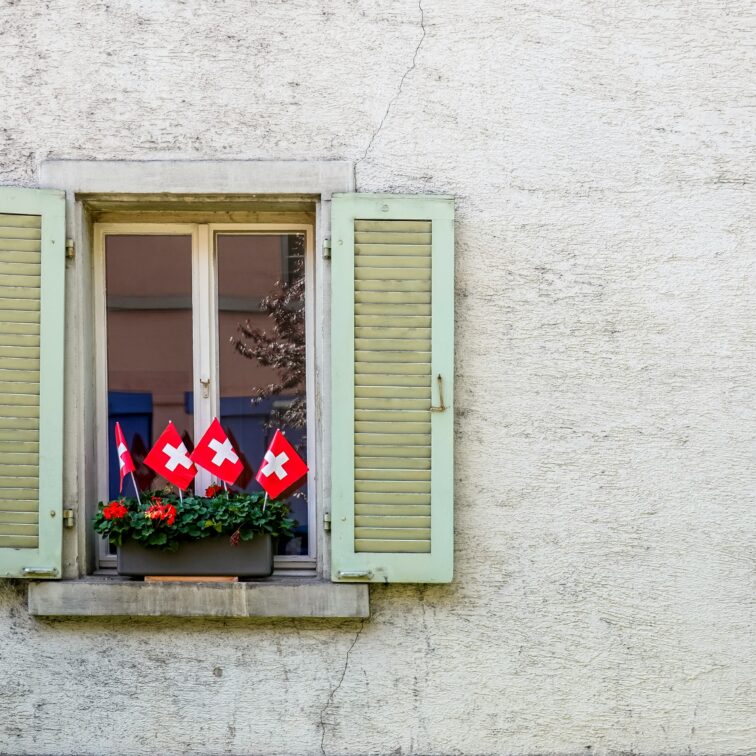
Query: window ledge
x=277, y=597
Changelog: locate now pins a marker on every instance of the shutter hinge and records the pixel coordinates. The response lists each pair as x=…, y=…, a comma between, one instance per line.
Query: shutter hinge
x=68, y=518
x=326, y=249
x=327, y=522
x=41, y=571
x=70, y=249
x=362, y=575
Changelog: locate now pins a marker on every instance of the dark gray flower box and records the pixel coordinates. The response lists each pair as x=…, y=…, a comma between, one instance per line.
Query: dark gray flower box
x=211, y=557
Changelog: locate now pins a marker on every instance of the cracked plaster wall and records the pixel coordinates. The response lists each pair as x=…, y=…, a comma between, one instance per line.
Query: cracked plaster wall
x=602, y=156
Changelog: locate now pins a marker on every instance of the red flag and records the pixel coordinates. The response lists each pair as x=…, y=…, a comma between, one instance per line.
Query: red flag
x=125, y=462
x=215, y=453
x=169, y=458
x=282, y=469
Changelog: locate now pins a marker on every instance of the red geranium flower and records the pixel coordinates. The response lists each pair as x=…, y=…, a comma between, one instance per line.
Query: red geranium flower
x=162, y=512
x=213, y=490
x=114, y=511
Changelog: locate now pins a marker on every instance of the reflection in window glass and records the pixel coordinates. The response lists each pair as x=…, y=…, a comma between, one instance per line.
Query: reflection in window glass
x=149, y=325
x=261, y=347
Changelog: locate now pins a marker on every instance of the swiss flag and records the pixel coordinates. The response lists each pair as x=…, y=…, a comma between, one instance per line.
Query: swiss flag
x=215, y=453
x=282, y=469
x=125, y=462
x=169, y=458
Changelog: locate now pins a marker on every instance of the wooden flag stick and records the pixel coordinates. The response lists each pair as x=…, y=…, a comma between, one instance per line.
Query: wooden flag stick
x=265, y=501
x=136, y=489
x=181, y=496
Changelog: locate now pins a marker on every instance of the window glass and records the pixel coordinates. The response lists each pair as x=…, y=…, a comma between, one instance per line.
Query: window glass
x=149, y=325
x=261, y=345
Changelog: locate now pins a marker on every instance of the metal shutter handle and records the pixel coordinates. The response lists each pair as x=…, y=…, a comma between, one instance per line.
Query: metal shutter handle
x=441, y=407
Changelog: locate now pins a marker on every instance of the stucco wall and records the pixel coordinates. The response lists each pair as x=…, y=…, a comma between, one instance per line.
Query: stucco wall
x=602, y=156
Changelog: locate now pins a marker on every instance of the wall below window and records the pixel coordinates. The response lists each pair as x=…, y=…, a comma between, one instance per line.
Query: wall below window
x=602, y=159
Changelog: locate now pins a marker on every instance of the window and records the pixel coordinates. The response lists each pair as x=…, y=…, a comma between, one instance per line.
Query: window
x=189, y=318
x=378, y=364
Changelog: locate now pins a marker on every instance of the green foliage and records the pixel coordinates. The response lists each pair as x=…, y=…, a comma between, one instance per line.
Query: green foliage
x=162, y=521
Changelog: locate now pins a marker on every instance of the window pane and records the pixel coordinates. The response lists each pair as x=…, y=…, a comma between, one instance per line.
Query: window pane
x=149, y=322
x=262, y=353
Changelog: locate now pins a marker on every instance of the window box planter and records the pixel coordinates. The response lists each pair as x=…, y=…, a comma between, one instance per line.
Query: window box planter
x=212, y=557
x=219, y=534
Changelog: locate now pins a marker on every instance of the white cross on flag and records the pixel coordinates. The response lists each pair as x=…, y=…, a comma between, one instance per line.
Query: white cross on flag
x=169, y=458
x=282, y=469
x=125, y=462
x=215, y=453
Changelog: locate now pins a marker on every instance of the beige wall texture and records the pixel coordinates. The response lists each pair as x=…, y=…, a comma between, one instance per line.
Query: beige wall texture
x=602, y=156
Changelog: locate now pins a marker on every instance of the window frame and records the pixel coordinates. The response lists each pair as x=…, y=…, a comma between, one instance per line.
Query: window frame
x=205, y=355
x=224, y=187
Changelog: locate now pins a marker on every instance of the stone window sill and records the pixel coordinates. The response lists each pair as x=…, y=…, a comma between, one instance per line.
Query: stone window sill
x=273, y=598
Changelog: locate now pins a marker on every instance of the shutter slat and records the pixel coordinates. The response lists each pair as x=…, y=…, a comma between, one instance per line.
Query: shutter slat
x=385, y=533
x=20, y=232
x=387, y=511
x=386, y=331
x=15, y=327
x=18, y=541
x=11, y=315
x=394, y=262
x=15, y=221
x=393, y=428
x=8, y=448
x=388, y=237
x=23, y=285
x=416, y=356
x=373, y=463
x=25, y=529
x=19, y=457
x=392, y=498
x=391, y=486
x=386, y=320
x=24, y=352
x=30, y=504
x=21, y=518
x=379, y=367
x=20, y=245
x=390, y=521
x=381, y=450
x=18, y=268
x=367, y=303
x=387, y=344
x=390, y=416
x=390, y=274
x=393, y=546
x=20, y=339
x=395, y=380
x=391, y=474
x=394, y=226
x=12, y=434
x=395, y=392
x=13, y=375
x=385, y=403
x=394, y=285
x=19, y=257
x=392, y=439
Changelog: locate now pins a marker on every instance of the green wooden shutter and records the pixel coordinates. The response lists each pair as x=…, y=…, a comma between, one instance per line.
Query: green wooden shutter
x=393, y=384
x=32, y=263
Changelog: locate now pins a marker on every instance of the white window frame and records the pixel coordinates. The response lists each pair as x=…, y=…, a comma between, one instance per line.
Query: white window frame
x=205, y=362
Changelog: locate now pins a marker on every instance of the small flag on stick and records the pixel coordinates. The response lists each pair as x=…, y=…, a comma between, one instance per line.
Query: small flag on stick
x=170, y=458
x=282, y=469
x=125, y=462
x=215, y=453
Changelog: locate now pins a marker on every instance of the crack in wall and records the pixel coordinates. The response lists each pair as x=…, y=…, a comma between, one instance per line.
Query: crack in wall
x=411, y=68
x=336, y=688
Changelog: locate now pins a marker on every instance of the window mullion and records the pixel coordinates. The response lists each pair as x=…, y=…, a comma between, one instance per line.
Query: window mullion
x=205, y=327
